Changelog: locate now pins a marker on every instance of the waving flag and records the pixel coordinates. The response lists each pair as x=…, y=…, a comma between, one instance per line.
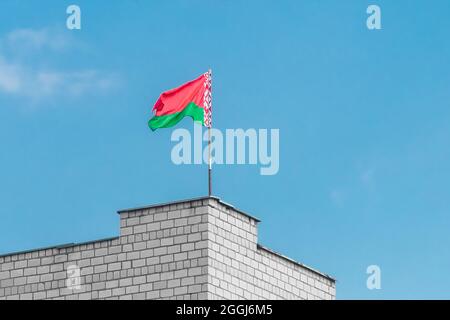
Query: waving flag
x=192, y=99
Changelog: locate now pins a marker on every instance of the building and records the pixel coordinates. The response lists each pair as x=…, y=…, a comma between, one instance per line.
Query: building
x=193, y=249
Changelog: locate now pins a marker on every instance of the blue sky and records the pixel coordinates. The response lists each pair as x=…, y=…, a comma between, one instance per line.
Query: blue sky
x=364, y=119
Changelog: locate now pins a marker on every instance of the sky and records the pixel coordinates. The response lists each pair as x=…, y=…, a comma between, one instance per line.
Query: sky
x=364, y=120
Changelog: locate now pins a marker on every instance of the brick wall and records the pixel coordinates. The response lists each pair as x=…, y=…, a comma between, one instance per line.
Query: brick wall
x=194, y=249
x=242, y=269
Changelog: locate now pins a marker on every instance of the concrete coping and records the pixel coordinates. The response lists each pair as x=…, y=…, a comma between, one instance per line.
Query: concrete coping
x=187, y=201
x=60, y=246
x=260, y=247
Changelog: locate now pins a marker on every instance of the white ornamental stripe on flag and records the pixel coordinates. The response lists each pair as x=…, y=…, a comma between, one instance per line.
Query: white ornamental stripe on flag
x=207, y=100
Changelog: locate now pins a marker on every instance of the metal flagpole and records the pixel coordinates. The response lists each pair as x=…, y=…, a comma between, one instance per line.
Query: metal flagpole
x=210, y=165
x=209, y=135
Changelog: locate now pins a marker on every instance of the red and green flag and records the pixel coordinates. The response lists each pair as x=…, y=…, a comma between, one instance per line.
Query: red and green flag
x=192, y=99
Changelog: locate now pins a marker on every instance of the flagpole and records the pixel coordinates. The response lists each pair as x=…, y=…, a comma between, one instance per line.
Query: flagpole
x=209, y=165
x=209, y=142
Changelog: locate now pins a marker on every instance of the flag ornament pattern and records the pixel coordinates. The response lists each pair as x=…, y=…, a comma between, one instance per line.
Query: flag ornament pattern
x=192, y=99
x=207, y=101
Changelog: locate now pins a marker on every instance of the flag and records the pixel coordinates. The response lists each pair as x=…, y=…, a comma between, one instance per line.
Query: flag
x=192, y=99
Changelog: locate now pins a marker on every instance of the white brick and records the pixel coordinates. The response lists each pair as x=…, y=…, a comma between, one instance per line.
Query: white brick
x=118, y=291
x=104, y=294
x=20, y=264
x=140, y=229
x=4, y=275
x=101, y=252
x=85, y=296
x=166, y=293
x=160, y=216
x=39, y=295
x=153, y=226
x=132, y=221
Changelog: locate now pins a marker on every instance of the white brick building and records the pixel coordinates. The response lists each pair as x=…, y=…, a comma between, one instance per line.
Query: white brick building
x=193, y=249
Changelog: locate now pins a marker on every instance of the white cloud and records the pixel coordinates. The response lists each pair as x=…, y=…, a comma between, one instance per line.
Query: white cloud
x=10, y=81
x=337, y=197
x=24, y=40
x=38, y=84
x=36, y=81
x=367, y=176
